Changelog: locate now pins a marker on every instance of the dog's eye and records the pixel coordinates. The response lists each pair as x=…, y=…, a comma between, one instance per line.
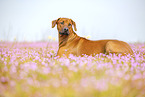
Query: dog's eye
x=62, y=22
x=69, y=24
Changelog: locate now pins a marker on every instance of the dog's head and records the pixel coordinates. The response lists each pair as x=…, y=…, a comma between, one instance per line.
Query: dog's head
x=64, y=26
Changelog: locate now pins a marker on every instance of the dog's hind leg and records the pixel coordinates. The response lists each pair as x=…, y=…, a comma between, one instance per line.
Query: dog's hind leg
x=117, y=47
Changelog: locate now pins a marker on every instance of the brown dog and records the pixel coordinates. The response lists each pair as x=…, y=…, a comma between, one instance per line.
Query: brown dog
x=71, y=43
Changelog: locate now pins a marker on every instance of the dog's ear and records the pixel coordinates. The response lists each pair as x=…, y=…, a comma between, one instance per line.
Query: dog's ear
x=74, y=24
x=54, y=22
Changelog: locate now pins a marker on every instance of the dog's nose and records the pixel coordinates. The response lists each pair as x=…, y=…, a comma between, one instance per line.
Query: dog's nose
x=65, y=29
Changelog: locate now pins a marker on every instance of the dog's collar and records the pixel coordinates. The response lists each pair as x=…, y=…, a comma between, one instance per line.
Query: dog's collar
x=63, y=33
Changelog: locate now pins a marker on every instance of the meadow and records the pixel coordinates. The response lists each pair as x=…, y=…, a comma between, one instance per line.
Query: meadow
x=33, y=70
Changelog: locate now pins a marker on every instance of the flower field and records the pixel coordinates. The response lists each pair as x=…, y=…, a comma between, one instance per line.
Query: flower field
x=34, y=70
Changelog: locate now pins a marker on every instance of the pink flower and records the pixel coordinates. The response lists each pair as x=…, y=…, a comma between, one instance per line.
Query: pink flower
x=101, y=85
x=137, y=76
x=29, y=66
x=33, y=66
x=4, y=79
x=46, y=70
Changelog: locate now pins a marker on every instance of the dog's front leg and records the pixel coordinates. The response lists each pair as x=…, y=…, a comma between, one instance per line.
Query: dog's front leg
x=63, y=52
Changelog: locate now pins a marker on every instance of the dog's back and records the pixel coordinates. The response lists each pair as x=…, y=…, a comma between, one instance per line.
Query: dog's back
x=103, y=46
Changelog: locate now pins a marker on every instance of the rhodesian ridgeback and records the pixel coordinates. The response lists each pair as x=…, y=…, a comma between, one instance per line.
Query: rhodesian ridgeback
x=71, y=43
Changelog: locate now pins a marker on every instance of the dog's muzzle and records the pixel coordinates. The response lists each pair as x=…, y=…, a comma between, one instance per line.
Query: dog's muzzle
x=64, y=32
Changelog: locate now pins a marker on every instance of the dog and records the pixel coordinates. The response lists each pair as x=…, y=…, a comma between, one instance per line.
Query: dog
x=71, y=43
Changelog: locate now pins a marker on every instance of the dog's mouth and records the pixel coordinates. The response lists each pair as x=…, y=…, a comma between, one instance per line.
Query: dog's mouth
x=64, y=33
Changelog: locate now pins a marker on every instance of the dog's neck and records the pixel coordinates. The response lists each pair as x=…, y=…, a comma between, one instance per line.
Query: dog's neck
x=63, y=39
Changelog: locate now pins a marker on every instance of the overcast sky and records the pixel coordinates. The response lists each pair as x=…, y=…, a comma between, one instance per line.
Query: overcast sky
x=30, y=20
